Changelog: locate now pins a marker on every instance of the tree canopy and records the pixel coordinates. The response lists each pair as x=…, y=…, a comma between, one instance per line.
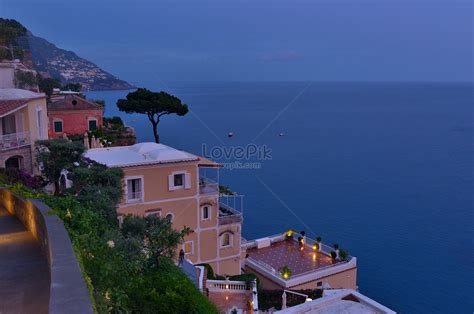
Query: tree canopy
x=154, y=105
x=56, y=155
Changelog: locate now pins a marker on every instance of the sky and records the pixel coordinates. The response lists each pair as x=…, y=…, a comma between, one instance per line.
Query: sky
x=254, y=40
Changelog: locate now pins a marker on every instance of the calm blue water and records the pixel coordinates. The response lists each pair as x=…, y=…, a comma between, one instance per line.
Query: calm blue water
x=385, y=170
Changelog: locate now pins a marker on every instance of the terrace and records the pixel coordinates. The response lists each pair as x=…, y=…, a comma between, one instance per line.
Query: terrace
x=307, y=263
x=14, y=140
x=230, y=209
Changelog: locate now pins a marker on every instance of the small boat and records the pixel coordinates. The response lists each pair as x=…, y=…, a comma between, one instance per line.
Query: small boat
x=281, y=134
x=230, y=134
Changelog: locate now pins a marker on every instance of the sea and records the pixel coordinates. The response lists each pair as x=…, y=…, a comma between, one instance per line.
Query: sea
x=383, y=169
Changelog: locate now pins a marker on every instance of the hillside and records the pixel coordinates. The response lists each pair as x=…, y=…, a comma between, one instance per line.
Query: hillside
x=50, y=61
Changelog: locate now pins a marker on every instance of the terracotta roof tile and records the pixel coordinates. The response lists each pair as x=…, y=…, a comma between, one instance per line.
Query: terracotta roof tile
x=72, y=102
x=7, y=106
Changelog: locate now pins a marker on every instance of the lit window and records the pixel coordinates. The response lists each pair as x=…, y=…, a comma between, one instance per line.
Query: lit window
x=179, y=179
x=226, y=240
x=206, y=212
x=58, y=126
x=134, y=189
x=92, y=125
x=188, y=247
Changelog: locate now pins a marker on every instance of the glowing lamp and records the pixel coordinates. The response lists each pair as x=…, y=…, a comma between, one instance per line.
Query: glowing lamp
x=309, y=299
x=285, y=275
x=315, y=247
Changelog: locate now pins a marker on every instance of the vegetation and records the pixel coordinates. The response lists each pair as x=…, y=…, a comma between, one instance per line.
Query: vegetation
x=343, y=254
x=10, y=30
x=333, y=254
x=25, y=79
x=285, y=272
x=57, y=155
x=46, y=85
x=154, y=105
x=128, y=269
x=225, y=190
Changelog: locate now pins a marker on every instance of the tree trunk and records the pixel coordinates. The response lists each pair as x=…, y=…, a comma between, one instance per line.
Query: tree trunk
x=155, y=132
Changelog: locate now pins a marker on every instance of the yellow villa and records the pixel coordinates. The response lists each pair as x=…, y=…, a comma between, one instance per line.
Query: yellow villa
x=23, y=120
x=183, y=188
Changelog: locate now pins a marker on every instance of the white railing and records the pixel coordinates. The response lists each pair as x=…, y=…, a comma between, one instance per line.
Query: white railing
x=134, y=197
x=208, y=186
x=14, y=140
x=230, y=209
x=227, y=285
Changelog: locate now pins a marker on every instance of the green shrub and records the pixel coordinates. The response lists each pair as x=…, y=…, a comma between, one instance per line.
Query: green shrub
x=343, y=254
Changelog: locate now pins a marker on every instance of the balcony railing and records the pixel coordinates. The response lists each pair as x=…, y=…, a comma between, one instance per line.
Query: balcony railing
x=230, y=209
x=208, y=186
x=134, y=197
x=14, y=140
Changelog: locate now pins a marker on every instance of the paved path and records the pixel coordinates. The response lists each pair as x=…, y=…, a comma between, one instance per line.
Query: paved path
x=24, y=274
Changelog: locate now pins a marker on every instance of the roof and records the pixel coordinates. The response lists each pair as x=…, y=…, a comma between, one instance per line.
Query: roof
x=73, y=102
x=12, y=99
x=15, y=93
x=138, y=155
x=339, y=301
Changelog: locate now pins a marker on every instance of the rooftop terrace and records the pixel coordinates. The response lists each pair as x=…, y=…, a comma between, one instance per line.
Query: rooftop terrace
x=269, y=255
x=282, y=253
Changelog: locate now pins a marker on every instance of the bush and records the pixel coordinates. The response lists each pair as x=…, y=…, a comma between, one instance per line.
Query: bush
x=13, y=175
x=343, y=254
x=333, y=254
x=285, y=272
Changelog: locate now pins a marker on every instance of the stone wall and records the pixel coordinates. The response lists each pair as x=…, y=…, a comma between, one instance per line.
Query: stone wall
x=68, y=292
x=25, y=152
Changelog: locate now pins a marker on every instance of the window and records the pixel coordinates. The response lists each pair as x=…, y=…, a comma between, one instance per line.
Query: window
x=179, y=180
x=206, y=212
x=58, y=126
x=188, y=247
x=13, y=162
x=169, y=217
x=8, y=124
x=153, y=213
x=134, y=189
x=319, y=284
x=39, y=112
x=92, y=124
x=226, y=240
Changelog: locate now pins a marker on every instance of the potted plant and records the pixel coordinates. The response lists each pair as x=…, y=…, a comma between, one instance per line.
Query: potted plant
x=318, y=241
x=285, y=272
x=343, y=255
x=333, y=255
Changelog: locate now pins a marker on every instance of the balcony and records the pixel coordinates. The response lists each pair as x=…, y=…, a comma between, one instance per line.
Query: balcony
x=230, y=209
x=14, y=140
x=208, y=186
x=134, y=197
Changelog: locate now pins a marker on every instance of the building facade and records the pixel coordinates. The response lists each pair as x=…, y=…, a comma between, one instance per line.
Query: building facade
x=160, y=180
x=72, y=115
x=23, y=120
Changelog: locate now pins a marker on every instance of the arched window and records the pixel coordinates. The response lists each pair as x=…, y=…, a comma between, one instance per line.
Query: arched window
x=226, y=239
x=169, y=217
x=206, y=212
x=14, y=162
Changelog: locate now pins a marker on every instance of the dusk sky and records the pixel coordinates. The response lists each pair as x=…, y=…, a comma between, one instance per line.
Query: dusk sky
x=321, y=40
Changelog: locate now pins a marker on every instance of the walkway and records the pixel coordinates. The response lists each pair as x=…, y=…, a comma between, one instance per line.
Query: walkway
x=24, y=272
